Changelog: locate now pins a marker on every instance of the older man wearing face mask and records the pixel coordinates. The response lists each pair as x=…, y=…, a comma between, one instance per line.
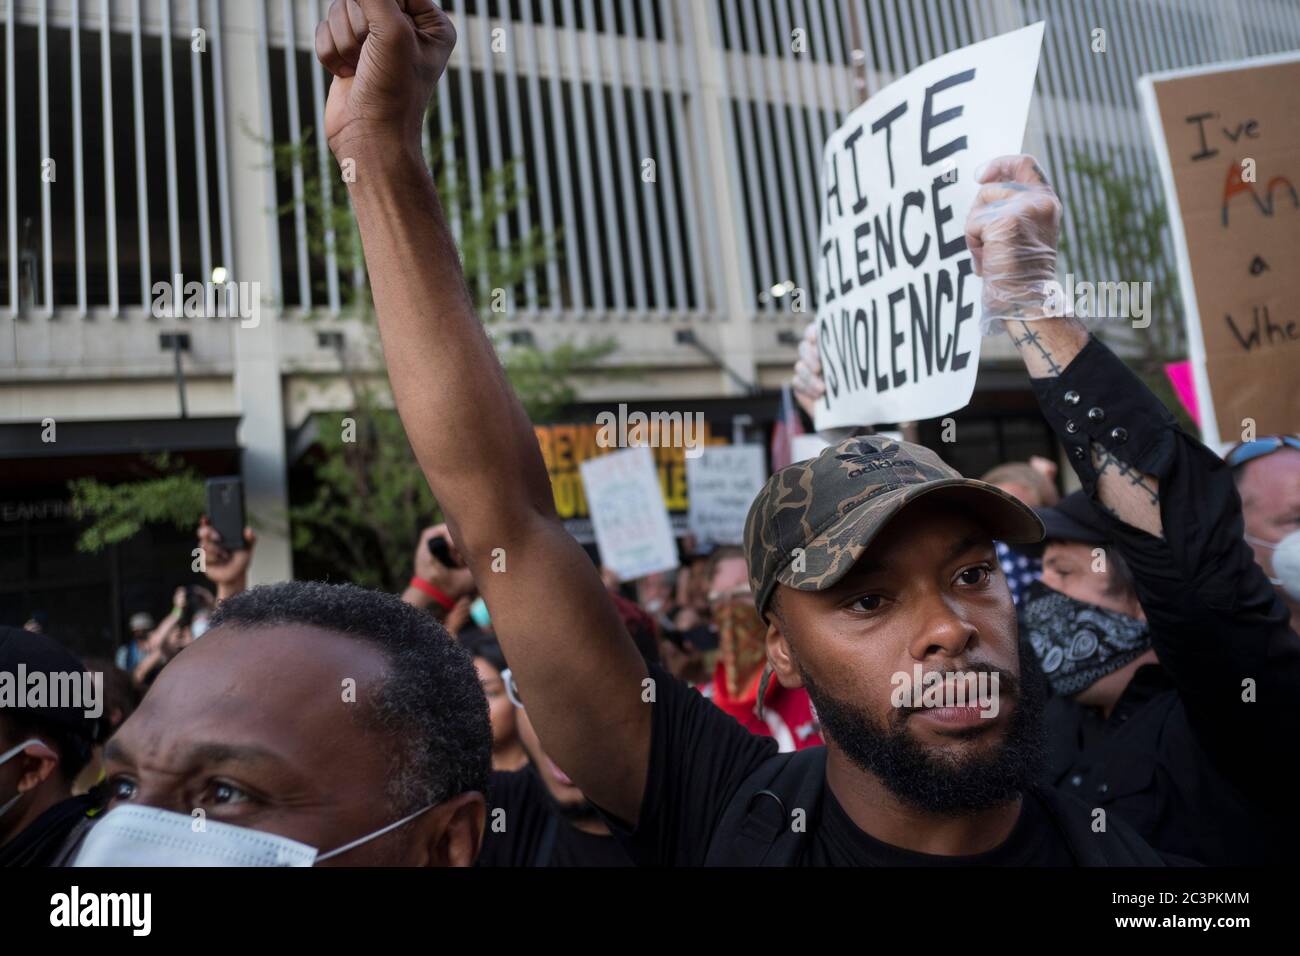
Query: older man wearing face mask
x=312, y=722
x=1267, y=474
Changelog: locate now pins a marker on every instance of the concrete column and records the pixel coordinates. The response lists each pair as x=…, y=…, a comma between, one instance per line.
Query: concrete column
x=257, y=259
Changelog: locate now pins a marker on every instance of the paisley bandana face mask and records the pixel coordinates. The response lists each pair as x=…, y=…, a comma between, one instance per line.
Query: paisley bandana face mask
x=1077, y=644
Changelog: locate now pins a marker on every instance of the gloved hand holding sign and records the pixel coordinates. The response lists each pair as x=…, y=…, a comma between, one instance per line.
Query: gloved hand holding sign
x=1012, y=234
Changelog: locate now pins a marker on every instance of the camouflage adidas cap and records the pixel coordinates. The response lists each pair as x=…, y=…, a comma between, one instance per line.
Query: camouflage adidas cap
x=814, y=519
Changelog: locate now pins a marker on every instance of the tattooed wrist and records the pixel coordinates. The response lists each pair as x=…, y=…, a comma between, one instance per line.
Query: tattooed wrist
x=1105, y=462
x=1031, y=345
x=1048, y=345
x=1127, y=493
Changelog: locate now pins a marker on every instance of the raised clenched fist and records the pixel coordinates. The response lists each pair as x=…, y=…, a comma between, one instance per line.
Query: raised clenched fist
x=1012, y=233
x=386, y=57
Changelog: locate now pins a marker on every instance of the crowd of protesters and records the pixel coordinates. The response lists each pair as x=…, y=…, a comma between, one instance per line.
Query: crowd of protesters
x=1117, y=730
x=1141, y=629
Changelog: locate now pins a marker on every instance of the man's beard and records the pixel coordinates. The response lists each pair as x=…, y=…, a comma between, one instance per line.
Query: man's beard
x=938, y=782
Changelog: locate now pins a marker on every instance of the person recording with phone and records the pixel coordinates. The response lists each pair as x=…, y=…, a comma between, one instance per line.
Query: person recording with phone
x=193, y=605
x=225, y=567
x=441, y=583
x=187, y=620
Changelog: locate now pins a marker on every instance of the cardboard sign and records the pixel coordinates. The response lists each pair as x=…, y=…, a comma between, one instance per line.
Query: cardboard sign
x=1228, y=141
x=628, y=514
x=723, y=483
x=898, y=300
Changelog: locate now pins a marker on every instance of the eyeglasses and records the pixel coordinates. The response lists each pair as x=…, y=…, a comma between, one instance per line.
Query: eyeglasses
x=1250, y=450
x=512, y=689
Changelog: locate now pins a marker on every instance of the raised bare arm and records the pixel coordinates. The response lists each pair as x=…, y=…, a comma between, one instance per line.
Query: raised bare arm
x=578, y=672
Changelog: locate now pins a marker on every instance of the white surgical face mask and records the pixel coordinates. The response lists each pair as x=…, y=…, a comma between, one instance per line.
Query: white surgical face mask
x=151, y=836
x=5, y=757
x=1286, y=562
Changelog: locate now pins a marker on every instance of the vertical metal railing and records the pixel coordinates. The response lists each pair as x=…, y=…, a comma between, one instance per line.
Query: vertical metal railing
x=631, y=217
x=47, y=230
x=110, y=151
x=199, y=105
x=78, y=159
x=667, y=172
x=579, y=100
x=684, y=83
x=169, y=141
x=542, y=158
x=287, y=10
x=324, y=170
x=141, y=163
x=11, y=158
x=517, y=158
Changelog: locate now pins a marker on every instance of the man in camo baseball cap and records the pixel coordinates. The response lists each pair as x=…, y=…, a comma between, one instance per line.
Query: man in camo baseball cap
x=814, y=519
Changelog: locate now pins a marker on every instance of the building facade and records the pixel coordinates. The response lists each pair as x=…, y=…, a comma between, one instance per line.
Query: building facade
x=667, y=150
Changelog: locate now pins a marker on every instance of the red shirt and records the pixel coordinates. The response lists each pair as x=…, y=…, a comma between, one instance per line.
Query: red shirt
x=788, y=715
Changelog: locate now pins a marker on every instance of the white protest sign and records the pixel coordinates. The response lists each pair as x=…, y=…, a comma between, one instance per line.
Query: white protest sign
x=898, y=300
x=628, y=514
x=722, y=483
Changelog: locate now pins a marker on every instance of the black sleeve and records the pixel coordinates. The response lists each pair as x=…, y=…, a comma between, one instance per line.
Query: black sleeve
x=1218, y=627
x=699, y=756
x=516, y=815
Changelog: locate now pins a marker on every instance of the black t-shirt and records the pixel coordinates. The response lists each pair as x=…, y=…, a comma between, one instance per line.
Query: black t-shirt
x=699, y=756
x=1035, y=841
x=535, y=833
x=46, y=837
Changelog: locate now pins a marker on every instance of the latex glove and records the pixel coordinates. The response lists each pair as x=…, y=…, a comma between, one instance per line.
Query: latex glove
x=1012, y=232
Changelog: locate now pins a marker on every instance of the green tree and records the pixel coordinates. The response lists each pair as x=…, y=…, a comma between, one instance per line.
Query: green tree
x=171, y=493
x=1130, y=236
